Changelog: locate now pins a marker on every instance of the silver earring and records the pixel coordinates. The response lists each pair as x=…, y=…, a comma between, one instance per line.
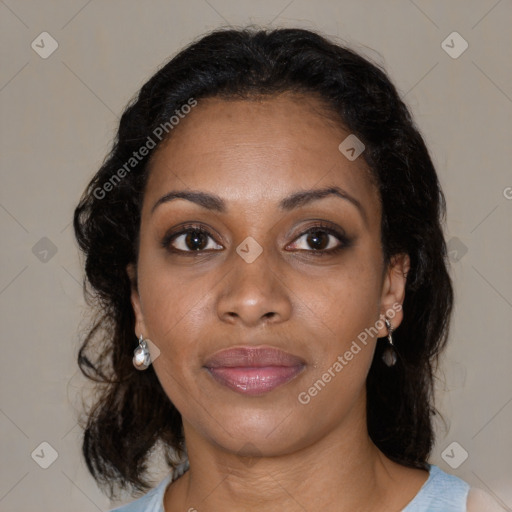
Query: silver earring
x=141, y=355
x=389, y=354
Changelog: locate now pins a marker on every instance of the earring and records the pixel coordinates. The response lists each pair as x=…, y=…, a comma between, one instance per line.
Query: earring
x=141, y=355
x=389, y=354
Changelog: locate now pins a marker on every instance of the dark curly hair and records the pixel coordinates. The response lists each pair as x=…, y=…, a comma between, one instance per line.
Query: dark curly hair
x=132, y=413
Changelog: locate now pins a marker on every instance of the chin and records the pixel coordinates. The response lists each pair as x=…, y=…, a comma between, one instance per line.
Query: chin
x=256, y=433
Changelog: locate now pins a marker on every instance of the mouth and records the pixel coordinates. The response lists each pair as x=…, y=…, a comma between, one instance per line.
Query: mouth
x=254, y=370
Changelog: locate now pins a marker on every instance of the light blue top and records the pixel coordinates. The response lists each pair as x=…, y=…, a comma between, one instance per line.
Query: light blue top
x=440, y=493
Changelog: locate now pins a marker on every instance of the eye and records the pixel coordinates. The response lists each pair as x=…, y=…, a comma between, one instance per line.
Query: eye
x=321, y=239
x=191, y=239
x=194, y=239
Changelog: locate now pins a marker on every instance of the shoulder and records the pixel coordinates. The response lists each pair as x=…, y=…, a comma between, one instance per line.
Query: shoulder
x=442, y=483
x=152, y=501
x=440, y=493
x=444, y=492
x=479, y=501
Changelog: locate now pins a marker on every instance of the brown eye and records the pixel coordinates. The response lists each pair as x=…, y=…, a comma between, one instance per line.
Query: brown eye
x=195, y=240
x=192, y=239
x=321, y=241
x=318, y=240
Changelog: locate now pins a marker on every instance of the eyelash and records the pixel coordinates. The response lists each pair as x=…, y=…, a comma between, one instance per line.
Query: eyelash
x=321, y=227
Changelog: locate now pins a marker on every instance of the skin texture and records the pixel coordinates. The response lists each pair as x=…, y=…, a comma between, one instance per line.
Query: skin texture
x=268, y=452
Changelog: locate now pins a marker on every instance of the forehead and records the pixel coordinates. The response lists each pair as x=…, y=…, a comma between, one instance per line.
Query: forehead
x=249, y=151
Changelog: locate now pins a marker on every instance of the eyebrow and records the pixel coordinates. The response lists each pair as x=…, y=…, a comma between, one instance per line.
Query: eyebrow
x=301, y=198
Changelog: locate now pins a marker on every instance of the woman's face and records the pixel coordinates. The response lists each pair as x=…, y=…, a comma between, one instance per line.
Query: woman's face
x=256, y=279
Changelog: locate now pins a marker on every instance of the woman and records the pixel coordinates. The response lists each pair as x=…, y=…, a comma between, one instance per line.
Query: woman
x=264, y=244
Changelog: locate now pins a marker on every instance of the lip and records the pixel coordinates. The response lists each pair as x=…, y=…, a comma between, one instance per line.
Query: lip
x=254, y=370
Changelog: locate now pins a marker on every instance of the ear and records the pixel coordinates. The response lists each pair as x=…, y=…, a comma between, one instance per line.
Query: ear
x=140, y=327
x=393, y=291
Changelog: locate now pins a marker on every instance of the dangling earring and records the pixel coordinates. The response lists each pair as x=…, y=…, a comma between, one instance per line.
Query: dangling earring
x=389, y=354
x=141, y=355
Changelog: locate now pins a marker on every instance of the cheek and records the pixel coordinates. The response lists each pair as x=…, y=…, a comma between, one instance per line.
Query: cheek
x=174, y=315
x=345, y=308
x=345, y=302
x=171, y=298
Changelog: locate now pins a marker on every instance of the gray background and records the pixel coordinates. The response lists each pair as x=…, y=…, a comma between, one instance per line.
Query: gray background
x=59, y=115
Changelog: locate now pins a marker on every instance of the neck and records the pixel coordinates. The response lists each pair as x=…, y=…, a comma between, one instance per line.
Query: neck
x=342, y=471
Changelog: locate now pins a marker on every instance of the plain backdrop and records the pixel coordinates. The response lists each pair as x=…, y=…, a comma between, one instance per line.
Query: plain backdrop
x=59, y=113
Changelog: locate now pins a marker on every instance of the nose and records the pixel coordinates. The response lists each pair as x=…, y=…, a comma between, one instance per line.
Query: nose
x=254, y=293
